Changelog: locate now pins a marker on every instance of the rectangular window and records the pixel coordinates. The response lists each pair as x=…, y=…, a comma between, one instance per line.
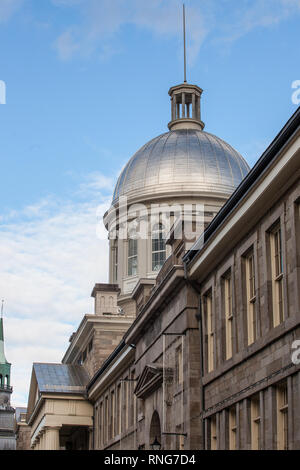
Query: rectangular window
x=209, y=331
x=227, y=297
x=277, y=275
x=100, y=440
x=250, y=297
x=213, y=433
x=119, y=409
x=97, y=425
x=179, y=365
x=132, y=399
x=132, y=257
x=112, y=415
x=232, y=428
x=126, y=399
x=255, y=423
x=282, y=416
x=106, y=422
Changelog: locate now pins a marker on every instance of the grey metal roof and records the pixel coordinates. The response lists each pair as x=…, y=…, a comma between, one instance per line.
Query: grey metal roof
x=188, y=160
x=66, y=378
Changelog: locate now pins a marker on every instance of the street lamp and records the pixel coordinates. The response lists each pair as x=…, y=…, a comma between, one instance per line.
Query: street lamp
x=156, y=445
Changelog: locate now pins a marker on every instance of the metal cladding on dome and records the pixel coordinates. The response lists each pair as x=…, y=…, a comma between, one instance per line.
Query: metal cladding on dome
x=184, y=161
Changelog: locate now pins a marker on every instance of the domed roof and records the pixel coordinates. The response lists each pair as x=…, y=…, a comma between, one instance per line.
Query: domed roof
x=184, y=161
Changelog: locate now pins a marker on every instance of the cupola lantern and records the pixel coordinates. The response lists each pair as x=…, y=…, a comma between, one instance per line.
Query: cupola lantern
x=185, y=107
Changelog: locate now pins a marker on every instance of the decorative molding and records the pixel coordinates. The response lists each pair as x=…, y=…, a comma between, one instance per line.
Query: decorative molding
x=150, y=380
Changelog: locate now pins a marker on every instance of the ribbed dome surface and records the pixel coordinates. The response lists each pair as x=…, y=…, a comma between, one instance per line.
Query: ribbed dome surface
x=187, y=161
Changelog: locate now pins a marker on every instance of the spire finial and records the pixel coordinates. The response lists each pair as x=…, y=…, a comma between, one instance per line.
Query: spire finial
x=2, y=304
x=184, y=43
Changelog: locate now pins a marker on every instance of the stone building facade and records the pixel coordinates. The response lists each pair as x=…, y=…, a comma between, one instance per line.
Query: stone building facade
x=22, y=430
x=247, y=273
x=191, y=343
x=200, y=385
x=59, y=415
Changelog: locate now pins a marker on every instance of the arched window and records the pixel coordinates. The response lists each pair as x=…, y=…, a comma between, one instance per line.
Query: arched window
x=132, y=256
x=158, y=247
x=155, y=429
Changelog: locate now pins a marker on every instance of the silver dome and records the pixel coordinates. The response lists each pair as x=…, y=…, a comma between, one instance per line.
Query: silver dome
x=187, y=162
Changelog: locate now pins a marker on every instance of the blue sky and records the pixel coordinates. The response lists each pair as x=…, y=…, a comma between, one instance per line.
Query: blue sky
x=87, y=85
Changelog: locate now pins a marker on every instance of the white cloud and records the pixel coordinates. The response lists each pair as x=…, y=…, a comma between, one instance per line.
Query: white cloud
x=65, y=45
x=95, y=182
x=257, y=14
x=8, y=8
x=101, y=21
x=50, y=260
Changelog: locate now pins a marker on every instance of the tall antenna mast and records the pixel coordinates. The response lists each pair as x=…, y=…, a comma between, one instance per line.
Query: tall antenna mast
x=184, y=43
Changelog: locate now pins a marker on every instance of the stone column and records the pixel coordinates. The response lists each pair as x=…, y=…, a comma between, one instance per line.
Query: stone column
x=52, y=438
x=245, y=428
x=290, y=412
x=262, y=421
x=193, y=106
x=224, y=435
x=183, y=105
x=173, y=108
x=111, y=261
x=218, y=431
x=42, y=441
x=270, y=419
x=91, y=439
x=198, y=114
x=239, y=431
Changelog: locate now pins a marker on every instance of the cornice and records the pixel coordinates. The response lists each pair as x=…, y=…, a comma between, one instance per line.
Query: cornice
x=86, y=326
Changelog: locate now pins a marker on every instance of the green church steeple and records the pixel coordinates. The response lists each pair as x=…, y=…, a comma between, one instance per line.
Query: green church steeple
x=4, y=365
x=7, y=412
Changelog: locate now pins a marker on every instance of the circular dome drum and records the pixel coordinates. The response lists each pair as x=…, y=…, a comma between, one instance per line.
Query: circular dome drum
x=185, y=161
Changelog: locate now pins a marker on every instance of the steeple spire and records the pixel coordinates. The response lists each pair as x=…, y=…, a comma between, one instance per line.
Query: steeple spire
x=184, y=43
x=7, y=438
x=1, y=328
x=4, y=364
x=185, y=99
